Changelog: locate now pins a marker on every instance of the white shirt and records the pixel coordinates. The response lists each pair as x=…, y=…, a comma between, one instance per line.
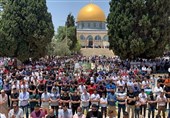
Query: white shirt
x=81, y=88
x=143, y=97
x=114, y=78
x=24, y=86
x=95, y=97
x=18, y=114
x=85, y=98
x=61, y=113
x=46, y=97
x=15, y=86
x=23, y=98
x=162, y=100
x=130, y=83
x=26, y=78
x=149, y=70
x=120, y=83
x=143, y=68
x=121, y=94
x=54, y=96
x=2, y=116
x=103, y=100
x=157, y=90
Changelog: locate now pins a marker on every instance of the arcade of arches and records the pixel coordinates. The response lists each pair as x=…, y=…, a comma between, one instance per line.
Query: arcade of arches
x=94, y=40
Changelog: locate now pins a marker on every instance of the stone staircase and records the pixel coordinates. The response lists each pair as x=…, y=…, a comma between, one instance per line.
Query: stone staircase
x=97, y=51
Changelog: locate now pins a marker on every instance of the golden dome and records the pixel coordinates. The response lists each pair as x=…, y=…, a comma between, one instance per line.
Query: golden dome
x=91, y=12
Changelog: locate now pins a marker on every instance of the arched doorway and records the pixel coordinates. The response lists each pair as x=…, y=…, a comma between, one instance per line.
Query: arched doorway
x=90, y=41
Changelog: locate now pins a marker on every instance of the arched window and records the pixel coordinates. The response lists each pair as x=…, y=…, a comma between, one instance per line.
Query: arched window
x=82, y=25
x=89, y=37
x=88, y=25
x=82, y=37
x=97, y=37
x=94, y=24
x=105, y=38
x=100, y=25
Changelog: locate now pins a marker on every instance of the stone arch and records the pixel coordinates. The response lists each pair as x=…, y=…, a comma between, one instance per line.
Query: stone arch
x=98, y=37
x=82, y=37
x=105, y=38
x=89, y=37
x=90, y=41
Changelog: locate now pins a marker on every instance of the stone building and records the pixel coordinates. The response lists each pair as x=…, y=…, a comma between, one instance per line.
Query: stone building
x=91, y=27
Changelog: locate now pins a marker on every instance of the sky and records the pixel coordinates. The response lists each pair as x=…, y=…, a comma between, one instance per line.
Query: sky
x=60, y=9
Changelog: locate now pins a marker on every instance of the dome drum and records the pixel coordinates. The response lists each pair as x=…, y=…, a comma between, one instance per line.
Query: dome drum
x=91, y=25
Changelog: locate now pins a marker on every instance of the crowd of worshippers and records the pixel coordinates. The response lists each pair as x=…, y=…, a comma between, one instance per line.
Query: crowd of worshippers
x=60, y=87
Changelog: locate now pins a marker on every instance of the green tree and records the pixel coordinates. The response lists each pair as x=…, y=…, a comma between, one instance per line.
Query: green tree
x=70, y=21
x=138, y=28
x=58, y=48
x=72, y=35
x=67, y=34
x=28, y=28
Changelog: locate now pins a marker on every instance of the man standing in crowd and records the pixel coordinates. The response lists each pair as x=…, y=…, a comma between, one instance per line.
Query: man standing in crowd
x=121, y=98
x=16, y=112
x=79, y=113
x=34, y=99
x=45, y=98
x=41, y=88
x=23, y=99
x=94, y=113
x=143, y=100
x=37, y=112
x=65, y=99
x=95, y=98
x=85, y=98
x=14, y=96
x=103, y=104
x=75, y=102
x=4, y=103
x=65, y=112
x=51, y=114
x=161, y=100
x=55, y=99
x=131, y=100
x=112, y=103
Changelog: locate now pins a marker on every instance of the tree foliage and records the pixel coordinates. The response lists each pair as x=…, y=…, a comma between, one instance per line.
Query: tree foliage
x=61, y=43
x=58, y=48
x=70, y=21
x=72, y=35
x=68, y=34
x=139, y=28
x=27, y=27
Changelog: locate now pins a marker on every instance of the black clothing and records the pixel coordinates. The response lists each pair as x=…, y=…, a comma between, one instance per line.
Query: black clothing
x=49, y=82
x=75, y=105
x=167, y=89
x=98, y=114
x=32, y=87
x=41, y=87
x=160, y=81
x=131, y=95
x=65, y=89
x=14, y=96
x=65, y=98
x=75, y=98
